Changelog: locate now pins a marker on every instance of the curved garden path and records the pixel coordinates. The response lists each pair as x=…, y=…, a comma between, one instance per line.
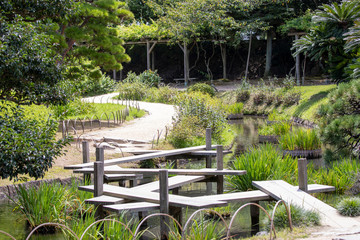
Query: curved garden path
x=141, y=130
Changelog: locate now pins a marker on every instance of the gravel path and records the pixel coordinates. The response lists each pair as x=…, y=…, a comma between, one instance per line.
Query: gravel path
x=141, y=130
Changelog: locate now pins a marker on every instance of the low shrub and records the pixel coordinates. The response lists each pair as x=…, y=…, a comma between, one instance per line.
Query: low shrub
x=300, y=139
x=162, y=95
x=349, y=207
x=203, y=88
x=291, y=98
x=132, y=91
x=276, y=116
x=299, y=216
x=259, y=163
x=148, y=77
x=242, y=95
x=259, y=97
x=76, y=107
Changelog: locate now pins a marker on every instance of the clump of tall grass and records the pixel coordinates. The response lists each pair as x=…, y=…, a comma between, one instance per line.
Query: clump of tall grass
x=276, y=116
x=264, y=162
x=278, y=129
x=300, y=139
x=341, y=174
x=349, y=207
x=235, y=108
x=299, y=216
x=201, y=229
x=41, y=204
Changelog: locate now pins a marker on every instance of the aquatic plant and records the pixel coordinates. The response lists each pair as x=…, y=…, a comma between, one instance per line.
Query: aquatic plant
x=235, y=108
x=41, y=204
x=278, y=129
x=264, y=162
x=349, y=207
x=299, y=217
x=300, y=139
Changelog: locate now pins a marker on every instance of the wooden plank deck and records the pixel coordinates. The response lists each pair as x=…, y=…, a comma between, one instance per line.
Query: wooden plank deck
x=142, y=196
x=133, y=207
x=193, y=172
x=141, y=157
x=104, y=200
x=196, y=153
x=279, y=189
x=258, y=195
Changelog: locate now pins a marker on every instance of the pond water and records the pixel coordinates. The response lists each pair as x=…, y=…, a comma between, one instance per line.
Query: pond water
x=246, y=131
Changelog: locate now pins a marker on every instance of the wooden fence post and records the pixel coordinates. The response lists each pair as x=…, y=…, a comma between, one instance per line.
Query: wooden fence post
x=208, y=159
x=220, y=166
x=99, y=180
x=302, y=170
x=86, y=159
x=164, y=203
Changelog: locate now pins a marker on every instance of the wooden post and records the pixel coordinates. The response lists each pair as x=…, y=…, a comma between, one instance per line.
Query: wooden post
x=99, y=180
x=302, y=170
x=297, y=65
x=148, y=55
x=208, y=159
x=220, y=166
x=114, y=75
x=255, y=217
x=86, y=159
x=248, y=57
x=164, y=203
x=186, y=65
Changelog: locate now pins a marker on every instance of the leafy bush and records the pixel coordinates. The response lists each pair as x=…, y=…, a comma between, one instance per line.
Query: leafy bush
x=259, y=164
x=349, y=207
x=291, y=98
x=27, y=146
x=162, y=94
x=259, y=97
x=300, y=139
x=243, y=91
x=187, y=132
x=207, y=110
x=133, y=91
x=299, y=216
x=203, y=88
x=340, y=118
x=148, y=77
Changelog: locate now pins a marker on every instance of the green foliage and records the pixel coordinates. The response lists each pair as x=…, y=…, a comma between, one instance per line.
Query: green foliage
x=76, y=107
x=299, y=217
x=29, y=72
x=235, y=108
x=203, y=88
x=277, y=128
x=148, y=77
x=142, y=31
x=340, y=118
x=265, y=162
x=41, y=204
x=201, y=229
x=341, y=174
x=300, y=139
x=298, y=24
x=208, y=111
x=326, y=40
x=276, y=116
x=349, y=207
x=133, y=91
x=27, y=146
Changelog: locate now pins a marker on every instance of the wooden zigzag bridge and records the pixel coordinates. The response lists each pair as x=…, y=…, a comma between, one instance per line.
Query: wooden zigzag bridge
x=155, y=195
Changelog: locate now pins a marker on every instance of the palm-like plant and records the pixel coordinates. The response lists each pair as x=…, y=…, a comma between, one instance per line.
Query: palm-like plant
x=326, y=39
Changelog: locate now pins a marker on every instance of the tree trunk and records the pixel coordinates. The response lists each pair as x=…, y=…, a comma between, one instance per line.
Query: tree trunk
x=297, y=64
x=268, y=52
x=248, y=57
x=223, y=56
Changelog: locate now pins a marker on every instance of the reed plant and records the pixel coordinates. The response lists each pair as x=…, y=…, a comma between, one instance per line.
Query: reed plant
x=264, y=162
x=278, y=129
x=201, y=230
x=341, y=174
x=41, y=204
x=236, y=108
x=300, y=139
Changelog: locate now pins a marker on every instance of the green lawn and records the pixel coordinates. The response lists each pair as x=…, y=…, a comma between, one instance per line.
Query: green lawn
x=311, y=98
